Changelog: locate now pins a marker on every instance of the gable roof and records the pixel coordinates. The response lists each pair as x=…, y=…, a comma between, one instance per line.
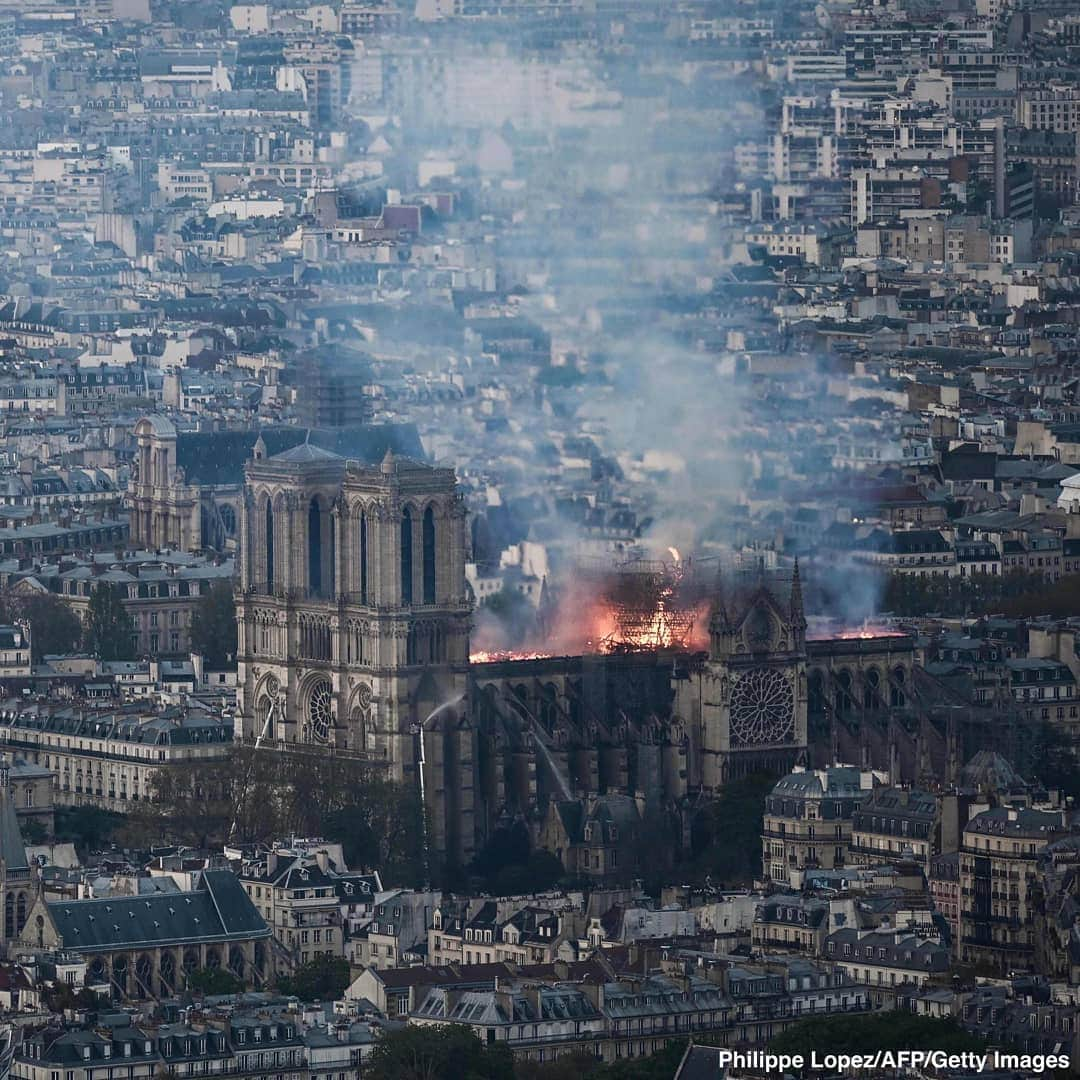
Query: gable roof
x=217, y=458
x=219, y=910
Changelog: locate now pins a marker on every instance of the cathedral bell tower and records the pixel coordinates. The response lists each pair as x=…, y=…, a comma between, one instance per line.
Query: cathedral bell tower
x=753, y=691
x=354, y=618
x=18, y=880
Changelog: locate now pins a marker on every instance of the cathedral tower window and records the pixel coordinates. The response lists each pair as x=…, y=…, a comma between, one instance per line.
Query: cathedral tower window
x=269, y=546
x=331, y=562
x=314, y=548
x=363, y=558
x=406, y=557
x=429, y=556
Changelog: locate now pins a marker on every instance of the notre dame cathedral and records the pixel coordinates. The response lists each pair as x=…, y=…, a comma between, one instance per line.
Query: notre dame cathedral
x=354, y=618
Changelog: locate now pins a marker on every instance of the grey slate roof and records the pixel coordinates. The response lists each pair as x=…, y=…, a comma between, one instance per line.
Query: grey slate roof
x=219, y=910
x=217, y=458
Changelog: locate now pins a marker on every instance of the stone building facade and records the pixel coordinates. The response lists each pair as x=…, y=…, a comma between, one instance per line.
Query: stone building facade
x=146, y=946
x=188, y=485
x=103, y=756
x=354, y=620
x=999, y=863
x=808, y=820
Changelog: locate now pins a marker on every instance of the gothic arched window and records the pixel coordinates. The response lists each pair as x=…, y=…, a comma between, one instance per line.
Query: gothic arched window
x=406, y=556
x=269, y=546
x=363, y=558
x=871, y=689
x=314, y=548
x=331, y=562
x=429, y=556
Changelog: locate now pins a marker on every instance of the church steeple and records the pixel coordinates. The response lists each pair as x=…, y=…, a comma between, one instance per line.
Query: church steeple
x=12, y=849
x=798, y=616
x=719, y=622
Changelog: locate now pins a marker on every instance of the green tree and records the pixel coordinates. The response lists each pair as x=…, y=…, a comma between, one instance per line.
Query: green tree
x=213, y=981
x=863, y=1034
x=89, y=828
x=440, y=1052
x=54, y=628
x=383, y=827
x=659, y=1066
x=325, y=978
x=259, y=795
x=581, y=1065
x=507, y=866
x=726, y=834
x=108, y=625
x=540, y=871
x=62, y=995
x=213, y=626
x=33, y=832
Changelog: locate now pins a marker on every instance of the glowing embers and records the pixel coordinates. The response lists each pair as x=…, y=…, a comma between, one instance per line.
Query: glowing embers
x=638, y=606
x=495, y=656
x=823, y=629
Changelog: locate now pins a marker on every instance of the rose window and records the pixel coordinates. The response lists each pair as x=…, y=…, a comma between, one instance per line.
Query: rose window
x=319, y=711
x=762, y=709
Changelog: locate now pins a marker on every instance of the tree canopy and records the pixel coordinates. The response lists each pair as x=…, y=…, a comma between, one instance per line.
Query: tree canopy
x=854, y=1034
x=453, y=1051
x=1016, y=595
x=213, y=626
x=108, y=625
x=261, y=795
x=54, y=628
x=507, y=864
x=89, y=828
x=325, y=978
x=440, y=1052
x=726, y=834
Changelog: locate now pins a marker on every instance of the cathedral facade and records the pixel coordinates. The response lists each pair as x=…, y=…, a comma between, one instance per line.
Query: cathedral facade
x=751, y=694
x=354, y=618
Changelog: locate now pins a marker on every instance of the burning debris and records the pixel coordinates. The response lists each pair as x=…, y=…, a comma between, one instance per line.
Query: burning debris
x=495, y=656
x=639, y=605
x=828, y=629
x=650, y=605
